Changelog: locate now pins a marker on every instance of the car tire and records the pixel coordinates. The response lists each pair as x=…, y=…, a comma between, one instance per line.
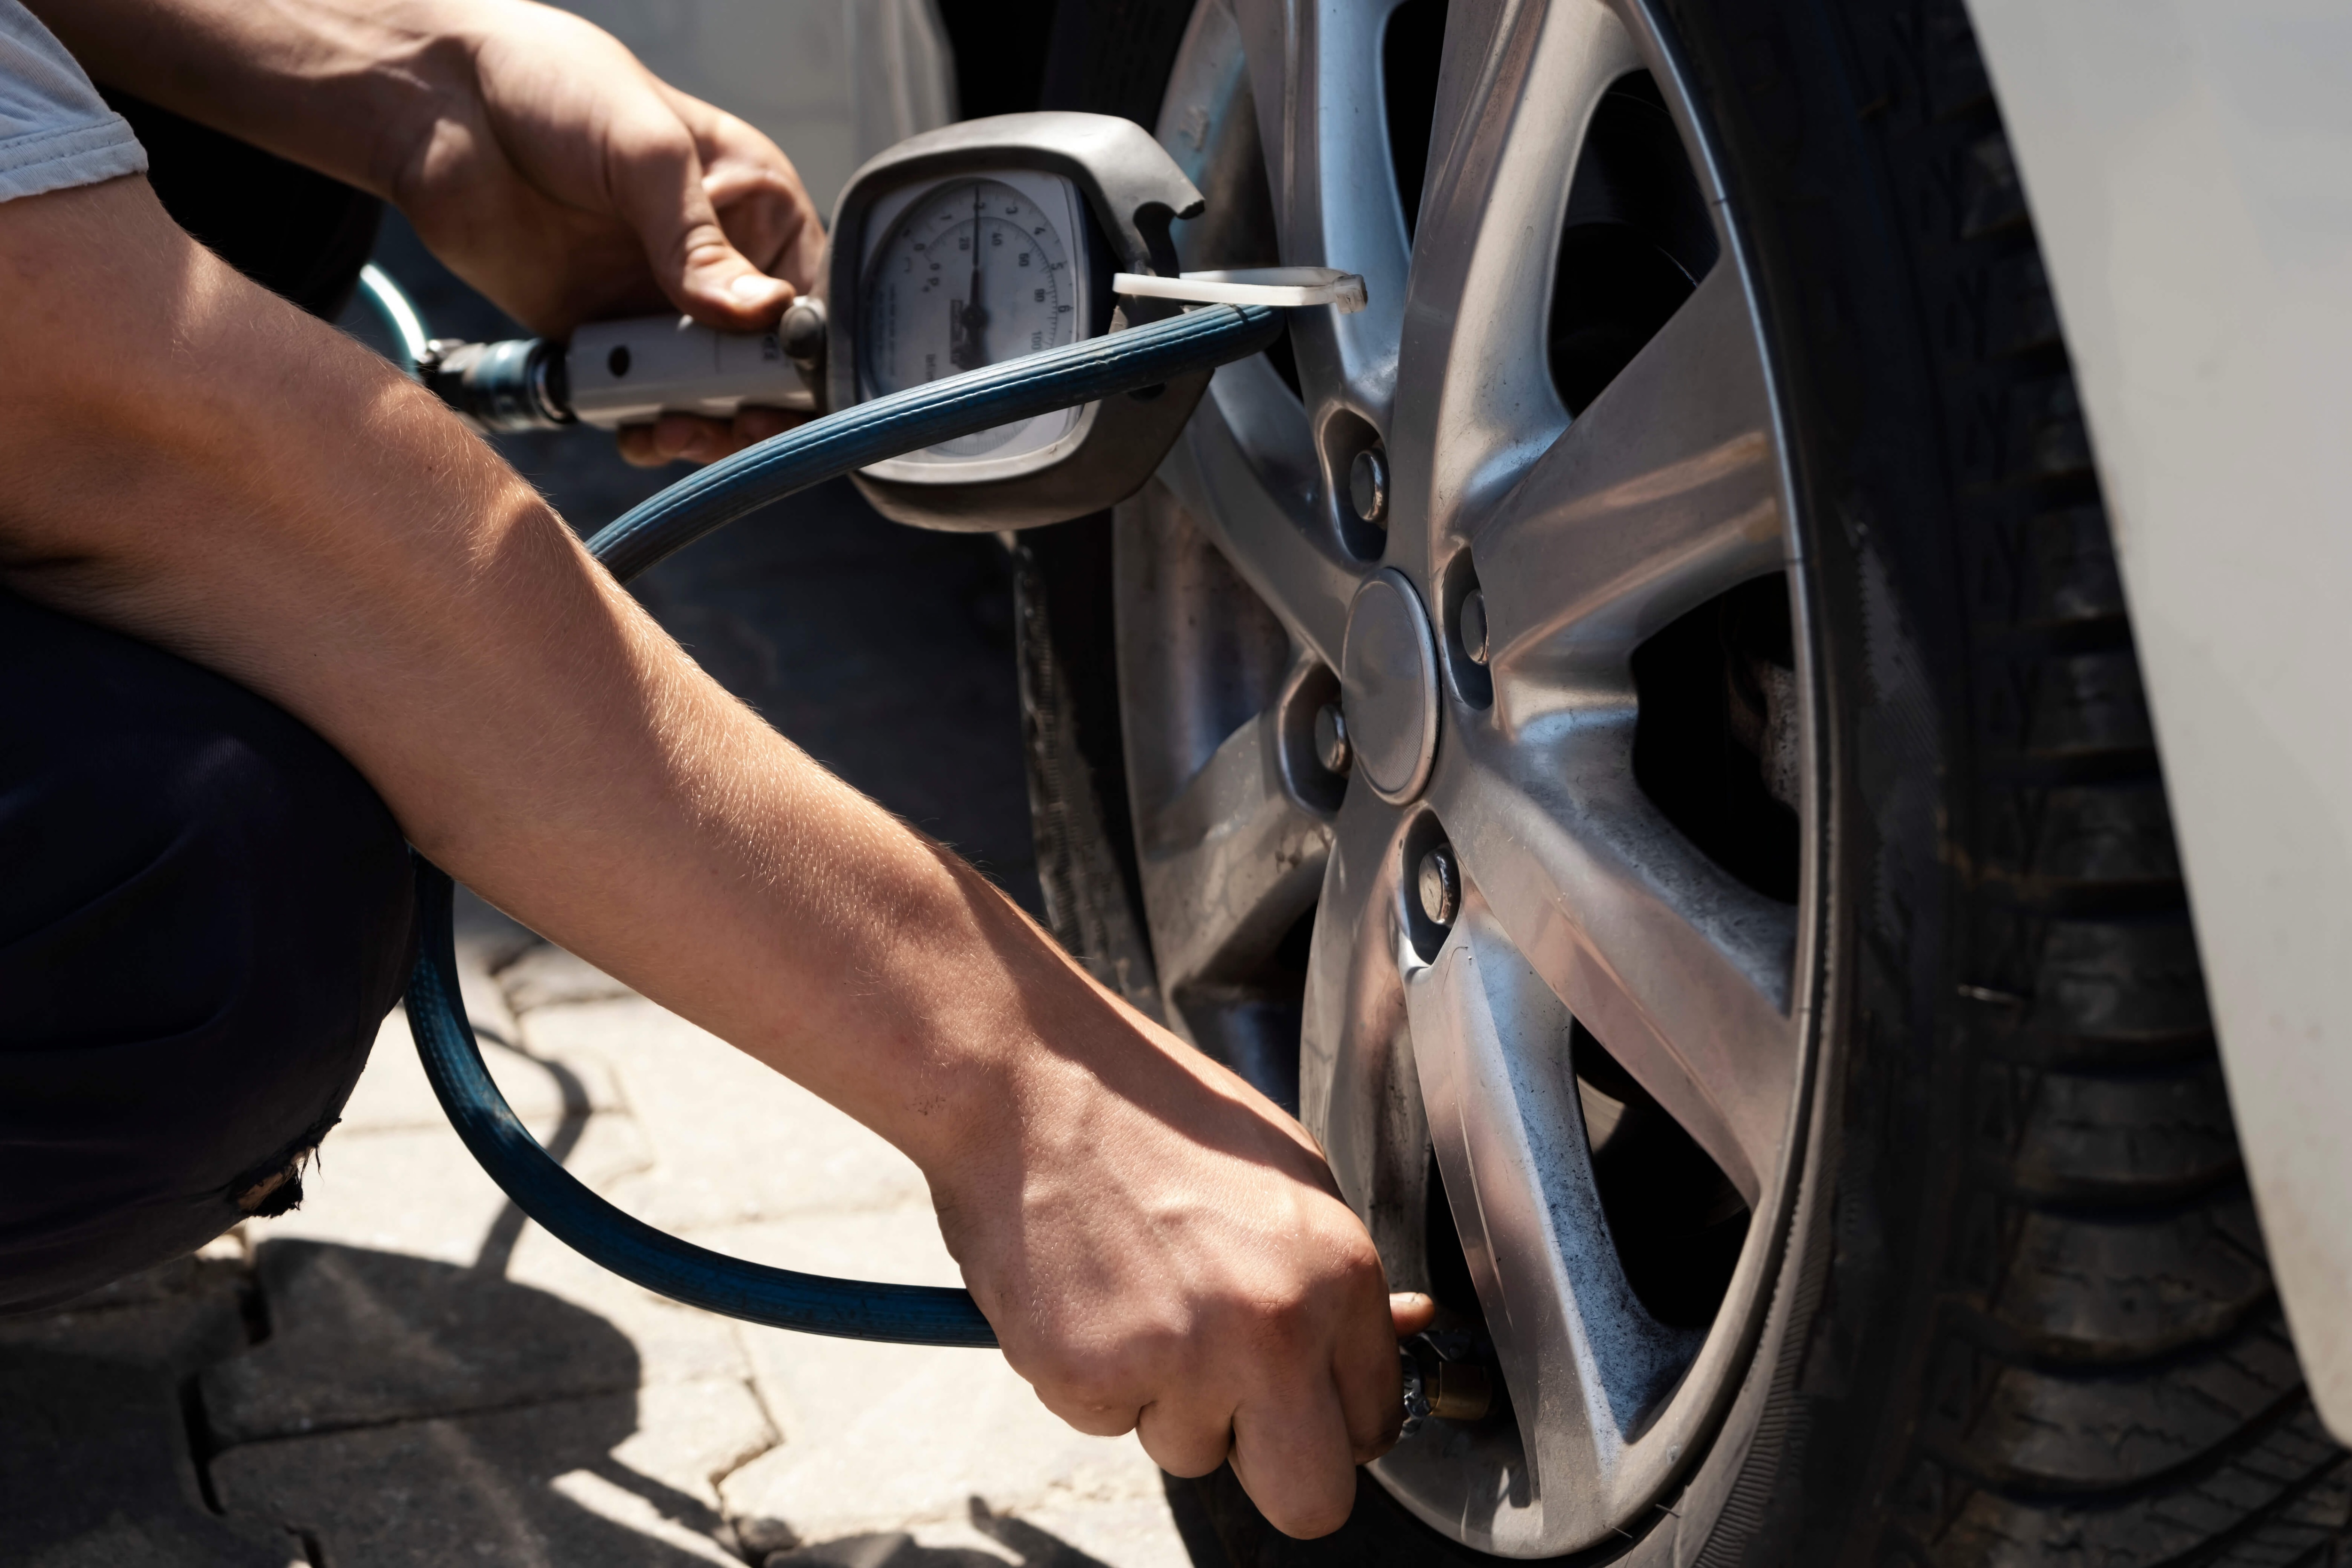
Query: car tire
x=2021, y=1314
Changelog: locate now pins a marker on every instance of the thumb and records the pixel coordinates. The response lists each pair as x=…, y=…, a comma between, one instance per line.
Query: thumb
x=1411, y=1312
x=661, y=196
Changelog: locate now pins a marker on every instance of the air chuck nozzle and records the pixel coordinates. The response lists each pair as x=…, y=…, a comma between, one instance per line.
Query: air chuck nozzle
x=518, y=385
x=1443, y=1388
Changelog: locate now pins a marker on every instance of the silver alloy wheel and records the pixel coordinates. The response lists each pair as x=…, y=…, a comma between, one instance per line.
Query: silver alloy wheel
x=1251, y=596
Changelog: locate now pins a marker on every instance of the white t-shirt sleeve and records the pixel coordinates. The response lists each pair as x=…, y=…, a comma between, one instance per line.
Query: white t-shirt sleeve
x=55, y=131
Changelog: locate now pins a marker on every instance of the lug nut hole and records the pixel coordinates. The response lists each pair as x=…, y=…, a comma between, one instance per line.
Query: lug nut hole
x=1440, y=886
x=1367, y=486
x=1332, y=747
x=1473, y=627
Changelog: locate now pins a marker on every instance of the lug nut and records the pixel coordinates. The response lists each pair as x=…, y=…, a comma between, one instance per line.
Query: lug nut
x=1367, y=485
x=1441, y=886
x=1471, y=625
x=1331, y=748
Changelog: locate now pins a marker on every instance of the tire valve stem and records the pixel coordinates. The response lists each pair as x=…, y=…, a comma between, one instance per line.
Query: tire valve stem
x=1442, y=1388
x=1416, y=1393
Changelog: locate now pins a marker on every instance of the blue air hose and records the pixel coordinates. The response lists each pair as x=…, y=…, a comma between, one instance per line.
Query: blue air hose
x=720, y=494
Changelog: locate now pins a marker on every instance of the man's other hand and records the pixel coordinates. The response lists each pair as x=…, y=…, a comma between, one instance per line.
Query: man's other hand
x=570, y=184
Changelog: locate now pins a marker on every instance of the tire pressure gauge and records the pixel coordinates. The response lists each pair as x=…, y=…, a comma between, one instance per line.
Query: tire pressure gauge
x=954, y=251
x=982, y=242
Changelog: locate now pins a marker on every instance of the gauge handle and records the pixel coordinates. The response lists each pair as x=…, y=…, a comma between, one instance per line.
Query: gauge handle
x=624, y=372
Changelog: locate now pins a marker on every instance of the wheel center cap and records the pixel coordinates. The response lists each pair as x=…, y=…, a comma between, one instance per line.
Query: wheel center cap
x=1388, y=681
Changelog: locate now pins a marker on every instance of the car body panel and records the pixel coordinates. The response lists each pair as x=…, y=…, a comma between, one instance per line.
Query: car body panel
x=2189, y=167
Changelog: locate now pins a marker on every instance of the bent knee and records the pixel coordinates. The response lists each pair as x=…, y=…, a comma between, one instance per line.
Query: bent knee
x=158, y=881
x=207, y=915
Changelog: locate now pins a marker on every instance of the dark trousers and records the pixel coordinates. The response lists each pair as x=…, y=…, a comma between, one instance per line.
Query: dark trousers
x=204, y=915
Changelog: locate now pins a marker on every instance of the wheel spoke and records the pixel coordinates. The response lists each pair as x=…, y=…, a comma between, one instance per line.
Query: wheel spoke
x=1354, y=1096
x=1245, y=471
x=1250, y=462
x=1583, y=1361
x=1232, y=863
x=1352, y=945
x=1318, y=66
x=1681, y=971
x=1662, y=494
x=1475, y=404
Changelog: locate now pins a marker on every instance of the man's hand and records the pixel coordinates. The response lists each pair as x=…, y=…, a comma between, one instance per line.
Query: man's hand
x=570, y=184
x=1162, y=1250
x=574, y=186
x=533, y=152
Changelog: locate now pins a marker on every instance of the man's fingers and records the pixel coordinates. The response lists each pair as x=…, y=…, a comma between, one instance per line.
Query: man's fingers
x=758, y=195
x=1411, y=1312
x=1365, y=1371
x=677, y=438
x=753, y=426
x=657, y=181
x=768, y=218
x=717, y=284
x=1293, y=1457
x=637, y=445
x=691, y=439
x=1094, y=1420
x=1185, y=1436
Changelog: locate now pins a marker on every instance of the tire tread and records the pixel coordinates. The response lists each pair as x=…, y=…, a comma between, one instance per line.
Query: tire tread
x=2109, y=1380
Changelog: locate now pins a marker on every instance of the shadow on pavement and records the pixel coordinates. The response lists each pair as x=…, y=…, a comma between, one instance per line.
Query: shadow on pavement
x=1031, y=1547
x=94, y=1469
x=393, y=1411
x=338, y=1406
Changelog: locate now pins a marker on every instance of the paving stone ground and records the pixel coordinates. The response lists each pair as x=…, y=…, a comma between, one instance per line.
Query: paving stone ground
x=401, y=1371
x=404, y=1372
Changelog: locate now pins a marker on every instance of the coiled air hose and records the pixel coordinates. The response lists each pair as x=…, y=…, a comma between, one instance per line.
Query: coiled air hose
x=710, y=499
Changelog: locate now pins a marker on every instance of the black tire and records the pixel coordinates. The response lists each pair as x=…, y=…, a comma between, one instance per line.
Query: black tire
x=2030, y=1317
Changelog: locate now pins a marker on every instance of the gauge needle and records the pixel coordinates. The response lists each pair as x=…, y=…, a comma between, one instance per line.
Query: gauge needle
x=975, y=319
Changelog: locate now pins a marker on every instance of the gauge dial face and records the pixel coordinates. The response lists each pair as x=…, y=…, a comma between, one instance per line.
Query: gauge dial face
x=970, y=273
